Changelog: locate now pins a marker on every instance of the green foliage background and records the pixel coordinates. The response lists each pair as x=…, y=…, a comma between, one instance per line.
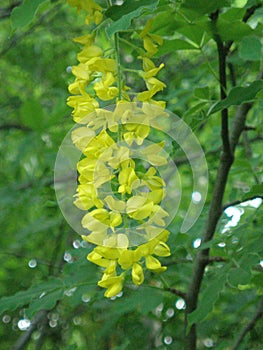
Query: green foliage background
x=36, y=49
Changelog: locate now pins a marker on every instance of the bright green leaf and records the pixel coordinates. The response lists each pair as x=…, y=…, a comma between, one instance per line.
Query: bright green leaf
x=22, y=15
x=238, y=95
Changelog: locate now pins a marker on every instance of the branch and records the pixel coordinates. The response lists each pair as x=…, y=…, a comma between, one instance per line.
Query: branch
x=177, y=292
x=24, y=339
x=14, y=126
x=251, y=324
x=226, y=160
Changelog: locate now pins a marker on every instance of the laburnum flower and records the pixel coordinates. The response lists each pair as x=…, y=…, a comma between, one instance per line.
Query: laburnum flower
x=93, y=10
x=103, y=88
x=83, y=106
x=119, y=198
x=128, y=259
x=126, y=178
x=150, y=41
x=113, y=283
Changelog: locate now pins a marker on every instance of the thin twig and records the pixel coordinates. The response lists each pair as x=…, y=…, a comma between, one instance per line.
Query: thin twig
x=24, y=339
x=251, y=324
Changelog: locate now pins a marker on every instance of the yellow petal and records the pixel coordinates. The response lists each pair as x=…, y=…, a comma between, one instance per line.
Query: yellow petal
x=114, y=204
x=137, y=274
x=162, y=249
x=138, y=208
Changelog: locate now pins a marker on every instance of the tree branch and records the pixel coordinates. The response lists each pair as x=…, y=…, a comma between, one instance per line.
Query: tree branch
x=14, y=126
x=177, y=292
x=226, y=160
x=251, y=324
x=24, y=339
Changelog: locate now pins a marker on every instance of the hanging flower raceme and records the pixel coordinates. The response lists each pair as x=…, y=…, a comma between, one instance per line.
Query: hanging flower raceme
x=120, y=199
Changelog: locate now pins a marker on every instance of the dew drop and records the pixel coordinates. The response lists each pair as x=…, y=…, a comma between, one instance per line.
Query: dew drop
x=32, y=263
x=168, y=340
x=23, y=324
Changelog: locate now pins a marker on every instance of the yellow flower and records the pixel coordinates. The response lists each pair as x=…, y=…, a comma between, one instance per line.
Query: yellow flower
x=87, y=197
x=135, y=132
x=88, y=53
x=99, y=145
x=104, y=90
x=82, y=136
x=83, y=106
x=120, y=155
x=115, y=204
x=127, y=177
x=105, y=217
x=151, y=154
x=139, y=208
x=154, y=264
x=113, y=284
x=93, y=10
x=150, y=41
x=87, y=39
x=137, y=274
x=102, y=65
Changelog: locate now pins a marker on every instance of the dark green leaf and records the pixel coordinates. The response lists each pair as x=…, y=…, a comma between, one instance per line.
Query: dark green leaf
x=208, y=299
x=203, y=93
x=250, y=49
x=47, y=302
x=31, y=114
x=125, y=15
x=26, y=297
x=232, y=30
x=238, y=95
x=238, y=276
x=256, y=190
x=204, y=6
x=175, y=45
x=24, y=14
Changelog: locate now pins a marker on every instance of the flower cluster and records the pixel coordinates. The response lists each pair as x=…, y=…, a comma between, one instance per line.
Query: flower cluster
x=122, y=198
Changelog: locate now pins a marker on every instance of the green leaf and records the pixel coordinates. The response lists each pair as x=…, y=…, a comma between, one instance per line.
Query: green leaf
x=203, y=93
x=208, y=299
x=124, y=14
x=195, y=109
x=204, y=6
x=232, y=30
x=255, y=191
x=237, y=96
x=38, y=292
x=22, y=15
x=197, y=32
x=31, y=114
x=175, y=45
x=47, y=302
x=250, y=49
x=238, y=276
